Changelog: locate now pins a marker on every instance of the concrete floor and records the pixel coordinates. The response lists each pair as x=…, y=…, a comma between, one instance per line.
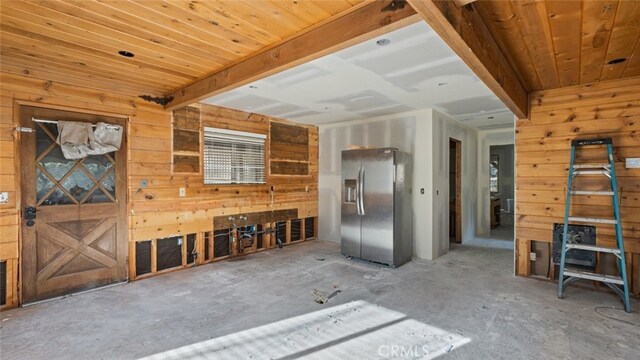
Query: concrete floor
x=504, y=232
x=464, y=305
x=489, y=242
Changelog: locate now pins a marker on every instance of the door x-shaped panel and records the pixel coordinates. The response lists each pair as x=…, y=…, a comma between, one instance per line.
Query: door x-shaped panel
x=76, y=252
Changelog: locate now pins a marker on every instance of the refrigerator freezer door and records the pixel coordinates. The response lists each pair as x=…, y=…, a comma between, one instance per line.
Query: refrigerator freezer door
x=377, y=182
x=350, y=208
x=403, y=212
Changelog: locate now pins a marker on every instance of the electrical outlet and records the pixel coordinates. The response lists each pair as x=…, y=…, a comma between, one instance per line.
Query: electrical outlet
x=183, y=192
x=4, y=197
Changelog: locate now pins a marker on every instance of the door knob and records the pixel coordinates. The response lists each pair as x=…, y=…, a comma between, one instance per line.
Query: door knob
x=30, y=215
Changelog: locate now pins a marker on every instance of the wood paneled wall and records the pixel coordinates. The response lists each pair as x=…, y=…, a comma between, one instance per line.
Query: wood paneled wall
x=156, y=211
x=543, y=142
x=9, y=247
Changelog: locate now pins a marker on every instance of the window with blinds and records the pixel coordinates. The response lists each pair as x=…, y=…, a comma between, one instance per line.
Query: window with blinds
x=233, y=157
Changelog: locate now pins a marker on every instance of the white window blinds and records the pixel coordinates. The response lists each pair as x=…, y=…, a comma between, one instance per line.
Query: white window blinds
x=233, y=157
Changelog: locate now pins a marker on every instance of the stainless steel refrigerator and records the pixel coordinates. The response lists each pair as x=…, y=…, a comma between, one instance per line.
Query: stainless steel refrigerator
x=376, y=205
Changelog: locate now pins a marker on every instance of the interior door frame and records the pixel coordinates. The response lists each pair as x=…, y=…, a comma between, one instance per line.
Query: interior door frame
x=122, y=192
x=458, y=200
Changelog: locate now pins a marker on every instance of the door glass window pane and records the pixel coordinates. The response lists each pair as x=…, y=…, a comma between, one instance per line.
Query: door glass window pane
x=97, y=197
x=78, y=184
x=109, y=184
x=58, y=197
x=53, y=129
x=43, y=141
x=43, y=184
x=80, y=176
x=55, y=163
x=97, y=165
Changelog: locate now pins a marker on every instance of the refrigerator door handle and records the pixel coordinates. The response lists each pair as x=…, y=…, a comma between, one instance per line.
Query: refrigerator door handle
x=361, y=192
x=358, y=192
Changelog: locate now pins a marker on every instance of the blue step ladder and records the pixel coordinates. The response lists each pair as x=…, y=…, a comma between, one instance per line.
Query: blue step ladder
x=619, y=284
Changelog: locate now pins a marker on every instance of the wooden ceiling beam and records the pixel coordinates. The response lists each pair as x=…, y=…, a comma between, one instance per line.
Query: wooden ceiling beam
x=361, y=23
x=462, y=2
x=464, y=30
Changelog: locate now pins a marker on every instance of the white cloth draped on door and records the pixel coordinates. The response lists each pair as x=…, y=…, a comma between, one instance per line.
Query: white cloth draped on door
x=78, y=139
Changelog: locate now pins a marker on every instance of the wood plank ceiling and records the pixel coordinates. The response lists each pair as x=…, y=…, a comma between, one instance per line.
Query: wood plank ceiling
x=175, y=42
x=549, y=44
x=554, y=44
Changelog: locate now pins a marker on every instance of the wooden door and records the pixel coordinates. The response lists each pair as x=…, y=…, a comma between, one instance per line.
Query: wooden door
x=77, y=240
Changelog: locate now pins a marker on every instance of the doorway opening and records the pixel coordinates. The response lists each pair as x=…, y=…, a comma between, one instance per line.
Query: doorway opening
x=501, y=188
x=455, y=189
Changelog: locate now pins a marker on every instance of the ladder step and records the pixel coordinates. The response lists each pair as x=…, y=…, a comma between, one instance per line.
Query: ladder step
x=593, y=220
x=592, y=172
x=584, y=142
x=586, y=192
x=593, y=248
x=590, y=166
x=593, y=276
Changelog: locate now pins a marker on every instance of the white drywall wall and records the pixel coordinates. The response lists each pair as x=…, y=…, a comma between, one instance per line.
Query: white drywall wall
x=485, y=140
x=444, y=128
x=425, y=135
x=423, y=179
x=389, y=131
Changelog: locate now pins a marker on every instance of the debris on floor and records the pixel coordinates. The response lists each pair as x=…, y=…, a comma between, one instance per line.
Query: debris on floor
x=320, y=297
x=377, y=276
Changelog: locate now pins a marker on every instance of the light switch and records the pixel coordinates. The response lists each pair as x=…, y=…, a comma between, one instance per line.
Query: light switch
x=4, y=197
x=183, y=192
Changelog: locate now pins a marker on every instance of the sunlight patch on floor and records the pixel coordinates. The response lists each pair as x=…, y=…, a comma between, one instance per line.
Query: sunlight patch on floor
x=357, y=329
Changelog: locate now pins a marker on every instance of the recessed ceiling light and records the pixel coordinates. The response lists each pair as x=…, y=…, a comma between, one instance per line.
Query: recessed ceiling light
x=252, y=87
x=126, y=53
x=617, y=61
x=443, y=84
x=383, y=42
